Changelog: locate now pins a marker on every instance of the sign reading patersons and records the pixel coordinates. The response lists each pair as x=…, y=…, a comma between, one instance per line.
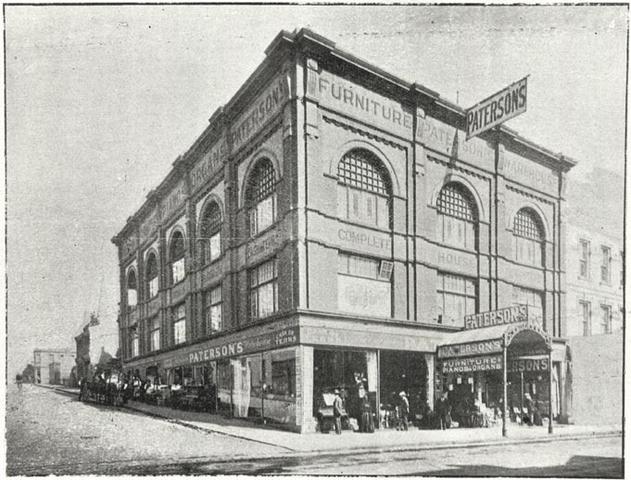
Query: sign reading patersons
x=503, y=316
x=496, y=109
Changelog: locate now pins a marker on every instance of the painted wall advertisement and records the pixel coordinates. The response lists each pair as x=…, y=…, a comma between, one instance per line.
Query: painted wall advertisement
x=363, y=296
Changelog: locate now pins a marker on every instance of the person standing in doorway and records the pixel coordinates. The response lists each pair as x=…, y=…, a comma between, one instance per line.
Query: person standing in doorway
x=404, y=409
x=338, y=409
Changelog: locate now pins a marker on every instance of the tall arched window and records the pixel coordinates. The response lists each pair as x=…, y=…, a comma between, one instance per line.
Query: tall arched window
x=528, y=237
x=261, y=196
x=210, y=233
x=364, y=190
x=152, y=275
x=176, y=257
x=132, y=288
x=457, y=217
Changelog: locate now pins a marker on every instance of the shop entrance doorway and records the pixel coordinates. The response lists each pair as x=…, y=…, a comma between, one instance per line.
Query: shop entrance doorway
x=402, y=372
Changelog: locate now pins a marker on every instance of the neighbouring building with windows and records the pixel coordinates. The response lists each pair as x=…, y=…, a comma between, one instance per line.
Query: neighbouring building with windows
x=332, y=226
x=53, y=366
x=595, y=256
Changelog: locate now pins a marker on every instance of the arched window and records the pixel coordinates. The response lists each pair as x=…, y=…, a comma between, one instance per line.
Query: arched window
x=210, y=233
x=261, y=196
x=176, y=257
x=457, y=217
x=364, y=190
x=132, y=288
x=528, y=237
x=152, y=275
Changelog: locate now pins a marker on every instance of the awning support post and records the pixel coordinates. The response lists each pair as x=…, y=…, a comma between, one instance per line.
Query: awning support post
x=550, y=428
x=504, y=395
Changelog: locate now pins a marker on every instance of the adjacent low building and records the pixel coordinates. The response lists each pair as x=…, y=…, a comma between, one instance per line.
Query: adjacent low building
x=53, y=366
x=331, y=228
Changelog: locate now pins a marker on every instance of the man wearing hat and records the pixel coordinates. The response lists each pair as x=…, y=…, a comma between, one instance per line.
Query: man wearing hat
x=404, y=408
x=337, y=411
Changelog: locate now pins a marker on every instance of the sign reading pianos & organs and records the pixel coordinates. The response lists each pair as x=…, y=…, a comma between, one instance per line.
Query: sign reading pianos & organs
x=503, y=316
x=499, y=107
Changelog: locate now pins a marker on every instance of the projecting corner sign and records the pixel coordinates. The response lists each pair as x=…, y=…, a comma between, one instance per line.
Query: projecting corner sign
x=496, y=109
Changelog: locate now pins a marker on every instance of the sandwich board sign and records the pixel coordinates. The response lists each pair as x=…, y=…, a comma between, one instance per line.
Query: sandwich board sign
x=499, y=107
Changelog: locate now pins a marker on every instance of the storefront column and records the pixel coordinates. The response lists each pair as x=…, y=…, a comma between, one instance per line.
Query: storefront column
x=430, y=363
x=551, y=386
x=304, y=389
x=504, y=395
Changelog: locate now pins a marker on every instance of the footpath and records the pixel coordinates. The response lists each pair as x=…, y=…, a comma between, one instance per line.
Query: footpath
x=381, y=440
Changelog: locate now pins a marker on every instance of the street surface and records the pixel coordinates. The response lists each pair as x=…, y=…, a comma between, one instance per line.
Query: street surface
x=51, y=433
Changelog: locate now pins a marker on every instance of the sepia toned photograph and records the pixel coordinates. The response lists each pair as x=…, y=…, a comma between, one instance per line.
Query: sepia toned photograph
x=300, y=240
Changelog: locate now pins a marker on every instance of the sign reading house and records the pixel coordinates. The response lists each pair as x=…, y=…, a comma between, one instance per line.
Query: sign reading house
x=503, y=316
x=496, y=109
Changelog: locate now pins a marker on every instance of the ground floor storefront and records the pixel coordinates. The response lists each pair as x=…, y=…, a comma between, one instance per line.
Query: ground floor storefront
x=287, y=372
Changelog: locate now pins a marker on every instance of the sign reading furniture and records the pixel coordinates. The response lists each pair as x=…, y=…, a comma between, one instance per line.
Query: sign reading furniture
x=499, y=107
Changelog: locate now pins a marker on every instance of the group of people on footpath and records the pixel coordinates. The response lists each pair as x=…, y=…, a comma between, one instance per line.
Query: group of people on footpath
x=366, y=418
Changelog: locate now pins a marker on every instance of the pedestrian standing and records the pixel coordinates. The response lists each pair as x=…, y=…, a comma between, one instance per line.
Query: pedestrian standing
x=338, y=409
x=404, y=410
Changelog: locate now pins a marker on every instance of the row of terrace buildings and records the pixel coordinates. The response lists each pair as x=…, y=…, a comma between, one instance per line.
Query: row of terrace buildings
x=333, y=226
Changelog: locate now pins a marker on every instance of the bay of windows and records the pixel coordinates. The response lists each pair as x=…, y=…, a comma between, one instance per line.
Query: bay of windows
x=363, y=190
x=455, y=297
x=179, y=324
x=457, y=217
x=264, y=289
x=261, y=197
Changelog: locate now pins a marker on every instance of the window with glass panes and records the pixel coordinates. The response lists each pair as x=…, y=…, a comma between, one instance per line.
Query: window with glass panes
x=261, y=196
x=528, y=238
x=605, y=319
x=363, y=191
x=135, y=341
x=364, y=285
x=152, y=275
x=284, y=377
x=179, y=324
x=586, y=316
x=210, y=233
x=605, y=267
x=457, y=217
x=456, y=297
x=263, y=290
x=154, y=334
x=132, y=288
x=532, y=298
x=584, y=260
x=212, y=310
x=176, y=255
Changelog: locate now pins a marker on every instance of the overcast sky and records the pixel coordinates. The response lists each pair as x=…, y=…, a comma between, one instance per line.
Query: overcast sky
x=101, y=100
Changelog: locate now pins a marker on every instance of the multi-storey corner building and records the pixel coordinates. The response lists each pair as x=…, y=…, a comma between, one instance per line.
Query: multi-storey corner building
x=53, y=366
x=332, y=223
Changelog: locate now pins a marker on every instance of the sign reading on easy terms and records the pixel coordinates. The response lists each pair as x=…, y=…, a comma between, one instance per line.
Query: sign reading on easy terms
x=496, y=109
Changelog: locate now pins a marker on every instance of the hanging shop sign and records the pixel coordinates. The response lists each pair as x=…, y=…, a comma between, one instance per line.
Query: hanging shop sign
x=480, y=363
x=470, y=349
x=496, y=109
x=503, y=316
x=216, y=350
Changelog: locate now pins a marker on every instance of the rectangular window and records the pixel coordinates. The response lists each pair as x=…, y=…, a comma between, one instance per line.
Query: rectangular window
x=178, y=270
x=214, y=247
x=605, y=320
x=153, y=287
x=455, y=297
x=528, y=251
x=532, y=298
x=456, y=232
x=213, y=310
x=360, y=206
x=364, y=285
x=586, y=315
x=284, y=377
x=584, y=262
x=154, y=334
x=605, y=270
x=179, y=324
x=263, y=215
x=263, y=290
x=132, y=297
x=135, y=344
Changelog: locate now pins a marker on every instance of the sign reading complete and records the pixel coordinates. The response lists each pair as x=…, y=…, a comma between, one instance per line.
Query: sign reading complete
x=496, y=109
x=503, y=316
